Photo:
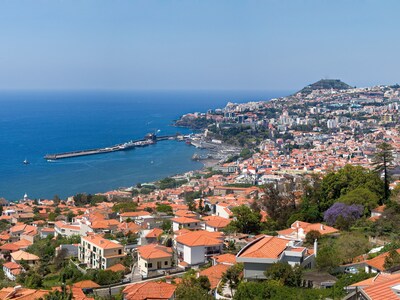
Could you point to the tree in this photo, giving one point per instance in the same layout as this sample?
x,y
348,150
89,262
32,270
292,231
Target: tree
x,y
361,196
193,288
337,184
328,258
392,260
311,236
245,220
233,276
342,215
383,162
166,225
164,208
64,294
351,245
56,199
284,273
279,207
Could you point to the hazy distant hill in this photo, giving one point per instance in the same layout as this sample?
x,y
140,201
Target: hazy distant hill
x,y
325,84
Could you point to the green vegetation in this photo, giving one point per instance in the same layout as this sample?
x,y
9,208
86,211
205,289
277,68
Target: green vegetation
x,y
164,208
272,289
84,199
125,207
193,288
244,220
326,84
383,162
285,274
169,183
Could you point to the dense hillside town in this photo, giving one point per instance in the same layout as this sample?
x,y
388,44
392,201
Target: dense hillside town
x,y
307,208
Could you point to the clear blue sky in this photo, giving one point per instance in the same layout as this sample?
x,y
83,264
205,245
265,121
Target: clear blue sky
x,y
203,44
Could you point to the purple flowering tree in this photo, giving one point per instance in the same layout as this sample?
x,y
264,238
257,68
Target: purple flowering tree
x,y
343,212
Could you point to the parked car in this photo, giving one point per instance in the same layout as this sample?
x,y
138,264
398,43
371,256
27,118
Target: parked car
x,y
351,270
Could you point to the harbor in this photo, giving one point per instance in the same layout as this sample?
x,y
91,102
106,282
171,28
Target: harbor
x,y
148,140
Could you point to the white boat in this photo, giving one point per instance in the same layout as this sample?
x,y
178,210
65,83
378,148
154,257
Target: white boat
x,y
26,162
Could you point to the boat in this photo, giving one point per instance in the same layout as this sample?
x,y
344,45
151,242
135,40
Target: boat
x,y
26,162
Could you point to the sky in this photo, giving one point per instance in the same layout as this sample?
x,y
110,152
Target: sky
x,y
198,44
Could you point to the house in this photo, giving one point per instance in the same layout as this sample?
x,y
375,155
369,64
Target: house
x,y
223,210
215,223
66,229
19,292
153,257
104,226
20,230
151,236
214,274
100,253
195,247
134,215
380,287
149,290
187,223
47,231
27,257
298,230
259,255
12,270
226,259
376,264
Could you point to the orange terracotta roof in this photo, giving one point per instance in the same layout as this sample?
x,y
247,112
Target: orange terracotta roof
x,y
378,261
9,247
12,265
86,284
154,251
22,255
265,247
117,268
200,238
184,220
101,242
22,294
216,221
226,258
149,290
214,274
382,290
134,214
155,233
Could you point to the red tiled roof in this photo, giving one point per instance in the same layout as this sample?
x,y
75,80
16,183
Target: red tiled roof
x,y
266,247
200,238
214,274
154,251
149,290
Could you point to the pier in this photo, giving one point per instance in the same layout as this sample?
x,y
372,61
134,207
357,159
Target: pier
x,y
149,139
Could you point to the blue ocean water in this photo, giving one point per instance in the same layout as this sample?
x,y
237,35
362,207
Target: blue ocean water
x,y
34,123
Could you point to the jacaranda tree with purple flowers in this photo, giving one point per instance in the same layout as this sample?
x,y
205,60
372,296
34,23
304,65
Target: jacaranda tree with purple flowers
x,y
342,215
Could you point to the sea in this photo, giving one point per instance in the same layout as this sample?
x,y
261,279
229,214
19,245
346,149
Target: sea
x,y
36,123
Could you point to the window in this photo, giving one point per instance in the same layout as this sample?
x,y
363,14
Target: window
x,y
166,263
150,265
119,251
145,264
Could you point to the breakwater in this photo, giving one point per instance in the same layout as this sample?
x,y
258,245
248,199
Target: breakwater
x,y
148,140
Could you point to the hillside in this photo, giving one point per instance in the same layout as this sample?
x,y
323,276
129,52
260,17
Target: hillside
x,y
325,84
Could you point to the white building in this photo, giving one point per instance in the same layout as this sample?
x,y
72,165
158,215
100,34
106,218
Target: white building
x,y
195,247
100,253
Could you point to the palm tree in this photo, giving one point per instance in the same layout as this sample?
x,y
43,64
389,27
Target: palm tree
x,y
383,162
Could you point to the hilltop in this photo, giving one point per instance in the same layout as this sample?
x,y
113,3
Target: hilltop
x,y
325,84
